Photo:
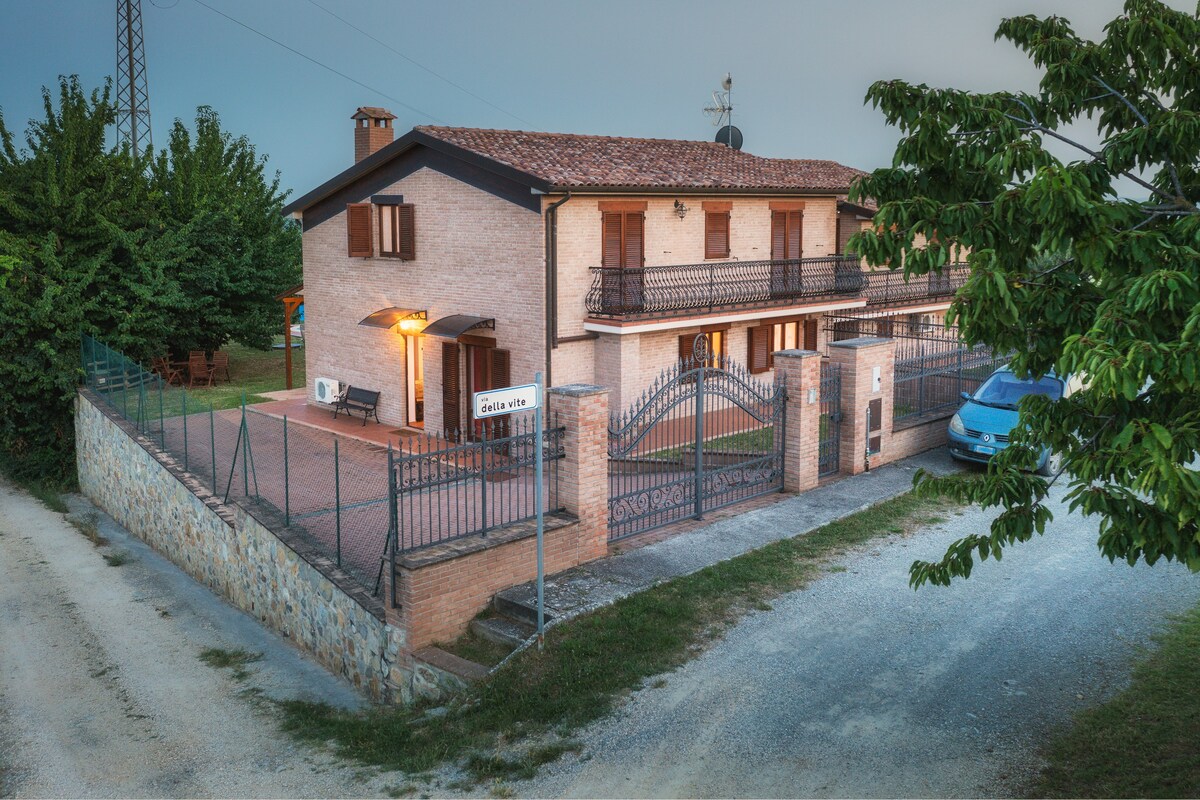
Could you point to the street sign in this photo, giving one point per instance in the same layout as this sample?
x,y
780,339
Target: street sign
x,y
506,401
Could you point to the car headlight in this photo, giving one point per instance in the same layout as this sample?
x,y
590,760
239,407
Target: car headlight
x,y
956,425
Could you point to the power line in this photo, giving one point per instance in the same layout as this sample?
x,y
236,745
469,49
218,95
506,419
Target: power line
x,y
290,49
416,63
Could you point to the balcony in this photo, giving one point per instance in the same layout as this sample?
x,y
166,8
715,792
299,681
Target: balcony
x,y
687,289
888,288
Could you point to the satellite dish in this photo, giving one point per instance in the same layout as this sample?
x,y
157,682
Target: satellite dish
x,y
730,135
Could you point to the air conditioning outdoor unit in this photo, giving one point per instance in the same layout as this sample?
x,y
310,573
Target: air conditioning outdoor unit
x,y
328,390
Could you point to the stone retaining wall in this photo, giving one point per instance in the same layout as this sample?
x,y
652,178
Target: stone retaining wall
x,y
227,549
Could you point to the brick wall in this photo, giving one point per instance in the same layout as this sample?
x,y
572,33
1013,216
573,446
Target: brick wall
x,y
859,359
476,254
442,588
917,438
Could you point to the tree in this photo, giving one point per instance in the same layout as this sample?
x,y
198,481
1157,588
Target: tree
x,y
222,219
1066,274
74,237
176,252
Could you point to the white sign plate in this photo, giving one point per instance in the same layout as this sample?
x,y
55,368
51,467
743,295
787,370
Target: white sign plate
x,y
510,400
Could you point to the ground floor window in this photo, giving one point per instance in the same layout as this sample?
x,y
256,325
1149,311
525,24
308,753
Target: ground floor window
x,y
716,345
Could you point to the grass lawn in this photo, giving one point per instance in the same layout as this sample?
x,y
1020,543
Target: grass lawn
x,y
758,440
1143,742
593,661
252,372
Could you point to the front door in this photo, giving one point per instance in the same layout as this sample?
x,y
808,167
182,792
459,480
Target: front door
x,y
415,380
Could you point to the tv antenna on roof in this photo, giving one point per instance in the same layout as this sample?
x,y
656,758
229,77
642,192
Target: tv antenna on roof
x,y
722,113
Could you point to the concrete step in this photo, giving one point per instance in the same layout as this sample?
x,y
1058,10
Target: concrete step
x,y
516,606
502,630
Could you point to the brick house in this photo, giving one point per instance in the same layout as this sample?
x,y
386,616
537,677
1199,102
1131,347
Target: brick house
x,y
453,260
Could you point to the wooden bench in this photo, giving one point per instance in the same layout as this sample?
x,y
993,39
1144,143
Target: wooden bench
x,y
355,399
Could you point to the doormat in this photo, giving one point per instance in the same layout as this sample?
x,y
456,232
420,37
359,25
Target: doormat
x,y
403,432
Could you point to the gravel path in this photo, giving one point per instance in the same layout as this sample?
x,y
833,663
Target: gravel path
x,y
861,687
102,693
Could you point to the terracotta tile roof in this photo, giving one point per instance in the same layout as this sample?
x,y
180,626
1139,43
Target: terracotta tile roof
x,y
572,160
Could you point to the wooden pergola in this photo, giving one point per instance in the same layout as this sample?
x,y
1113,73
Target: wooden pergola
x,y
292,299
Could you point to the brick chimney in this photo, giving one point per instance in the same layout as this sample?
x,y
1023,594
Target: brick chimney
x,y
372,130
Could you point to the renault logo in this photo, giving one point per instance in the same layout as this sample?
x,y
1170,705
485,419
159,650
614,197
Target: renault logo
x,y
987,437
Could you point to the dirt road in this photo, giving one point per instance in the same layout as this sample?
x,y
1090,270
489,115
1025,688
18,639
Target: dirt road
x,y
861,687
103,693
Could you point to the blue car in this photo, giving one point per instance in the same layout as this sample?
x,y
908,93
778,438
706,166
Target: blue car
x,y
981,427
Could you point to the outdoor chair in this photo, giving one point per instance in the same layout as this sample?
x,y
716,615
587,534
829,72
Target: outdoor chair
x,y
220,363
199,370
166,370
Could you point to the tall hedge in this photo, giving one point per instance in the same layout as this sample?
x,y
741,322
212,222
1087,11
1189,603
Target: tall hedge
x,y
151,254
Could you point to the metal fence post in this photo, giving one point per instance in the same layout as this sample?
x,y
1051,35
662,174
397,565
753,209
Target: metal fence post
x,y
287,501
393,519
212,438
185,441
143,422
162,420
960,371
483,514
124,384
242,434
698,450
337,499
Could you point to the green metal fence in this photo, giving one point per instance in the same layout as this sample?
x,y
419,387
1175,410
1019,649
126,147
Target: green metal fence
x,y
332,491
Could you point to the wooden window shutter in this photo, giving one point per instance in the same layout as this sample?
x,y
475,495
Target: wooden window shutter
x,y
810,334
634,250
716,234
686,343
758,355
451,392
795,238
613,240
778,235
500,363
501,368
358,230
406,231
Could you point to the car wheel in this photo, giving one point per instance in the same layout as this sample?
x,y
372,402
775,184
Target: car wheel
x,y
1052,465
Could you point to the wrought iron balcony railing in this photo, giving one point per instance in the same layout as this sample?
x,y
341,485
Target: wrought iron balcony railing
x,y
888,288
646,292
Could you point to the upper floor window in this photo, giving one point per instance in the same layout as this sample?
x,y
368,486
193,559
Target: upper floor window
x,y
787,231
716,230
397,231
623,234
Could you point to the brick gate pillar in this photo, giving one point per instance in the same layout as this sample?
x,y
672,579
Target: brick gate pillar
x,y
868,370
800,371
583,472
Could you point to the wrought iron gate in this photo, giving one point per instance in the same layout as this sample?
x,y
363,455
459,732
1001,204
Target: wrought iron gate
x,y
706,434
829,446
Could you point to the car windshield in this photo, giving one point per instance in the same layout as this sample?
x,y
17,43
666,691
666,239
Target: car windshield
x,y
1004,389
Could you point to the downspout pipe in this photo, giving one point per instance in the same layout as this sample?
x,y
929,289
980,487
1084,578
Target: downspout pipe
x,y
552,283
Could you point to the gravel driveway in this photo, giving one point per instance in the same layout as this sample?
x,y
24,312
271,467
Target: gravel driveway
x,y
861,687
103,694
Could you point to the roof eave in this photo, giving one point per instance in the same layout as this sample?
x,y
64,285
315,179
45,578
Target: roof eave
x,y
398,148
695,190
